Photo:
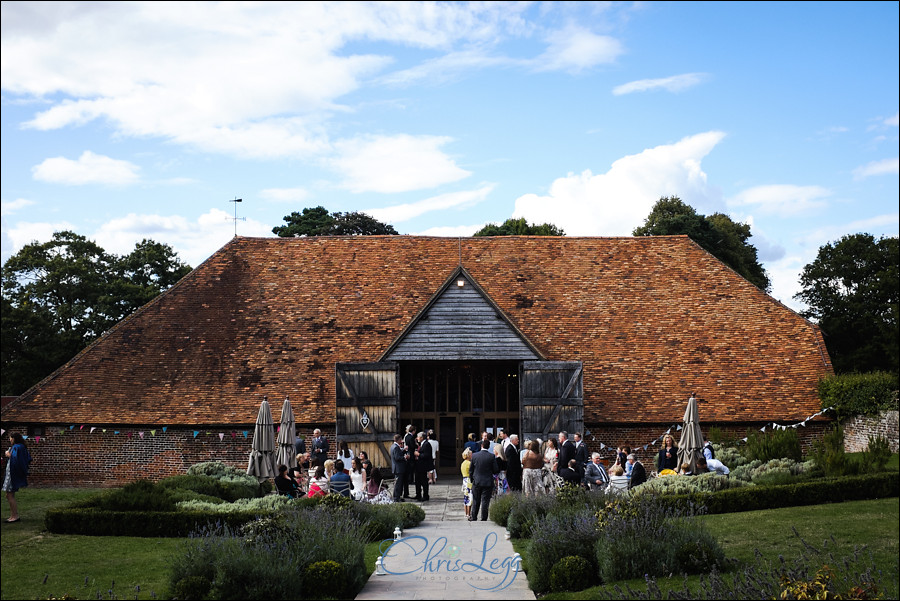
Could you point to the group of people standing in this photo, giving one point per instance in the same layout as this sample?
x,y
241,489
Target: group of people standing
x,y
413,458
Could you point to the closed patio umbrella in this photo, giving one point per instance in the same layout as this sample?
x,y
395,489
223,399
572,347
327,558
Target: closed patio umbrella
x,y
284,452
691,444
262,453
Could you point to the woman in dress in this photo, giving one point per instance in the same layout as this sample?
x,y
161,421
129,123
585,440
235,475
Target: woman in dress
x,y
318,484
344,453
668,455
357,479
501,485
17,461
551,454
467,480
532,466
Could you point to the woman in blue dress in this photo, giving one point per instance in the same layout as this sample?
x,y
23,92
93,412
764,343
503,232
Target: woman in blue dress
x,y
17,463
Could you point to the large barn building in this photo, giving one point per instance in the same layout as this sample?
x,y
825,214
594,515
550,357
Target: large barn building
x,y
366,334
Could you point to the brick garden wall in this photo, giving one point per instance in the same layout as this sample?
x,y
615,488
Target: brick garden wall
x,y
79,457
857,431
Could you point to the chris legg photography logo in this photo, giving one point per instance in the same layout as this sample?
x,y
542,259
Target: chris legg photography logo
x,y
439,560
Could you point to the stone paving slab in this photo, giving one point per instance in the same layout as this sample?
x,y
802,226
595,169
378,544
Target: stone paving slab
x,y
448,557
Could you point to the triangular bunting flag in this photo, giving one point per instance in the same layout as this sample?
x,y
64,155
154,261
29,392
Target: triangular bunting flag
x,y
92,430
196,432
141,434
152,432
221,436
245,434
165,428
679,428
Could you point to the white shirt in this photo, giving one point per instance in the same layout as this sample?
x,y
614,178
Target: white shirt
x,y
714,465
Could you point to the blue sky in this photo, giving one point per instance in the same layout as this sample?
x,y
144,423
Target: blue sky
x,y
124,121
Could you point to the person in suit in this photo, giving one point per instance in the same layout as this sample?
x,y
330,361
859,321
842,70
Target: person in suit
x,y
569,474
319,448
638,473
484,466
566,449
582,456
423,465
513,463
595,475
398,466
409,441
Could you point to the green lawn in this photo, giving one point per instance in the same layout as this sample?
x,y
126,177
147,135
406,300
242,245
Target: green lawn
x,y
37,564
875,524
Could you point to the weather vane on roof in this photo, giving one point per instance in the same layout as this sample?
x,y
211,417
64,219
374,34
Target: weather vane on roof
x,y
236,218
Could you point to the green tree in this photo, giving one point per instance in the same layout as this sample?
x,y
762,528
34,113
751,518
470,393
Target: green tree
x,y
59,296
318,222
519,227
852,289
718,234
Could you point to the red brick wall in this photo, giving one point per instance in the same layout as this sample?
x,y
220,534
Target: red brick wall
x,y
78,457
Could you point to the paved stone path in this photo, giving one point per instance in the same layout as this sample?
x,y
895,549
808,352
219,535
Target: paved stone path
x,y
448,557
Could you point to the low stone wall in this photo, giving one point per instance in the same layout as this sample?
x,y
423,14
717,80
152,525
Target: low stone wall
x,y
857,431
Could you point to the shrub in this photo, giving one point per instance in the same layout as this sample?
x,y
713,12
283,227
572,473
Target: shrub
x,y
859,394
571,573
877,454
326,577
192,587
557,536
140,495
571,495
527,513
676,485
775,444
649,538
502,506
730,456
410,514
262,561
828,454
782,470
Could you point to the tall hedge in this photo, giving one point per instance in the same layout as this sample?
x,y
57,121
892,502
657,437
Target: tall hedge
x,y
859,394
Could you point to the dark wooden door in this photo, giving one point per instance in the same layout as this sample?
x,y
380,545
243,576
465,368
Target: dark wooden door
x,y
368,405
551,397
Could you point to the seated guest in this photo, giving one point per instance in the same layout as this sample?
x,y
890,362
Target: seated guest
x,y
711,465
618,481
318,485
595,475
357,479
285,485
296,474
569,474
374,483
685,470
329,468
366,464
340,482
304,462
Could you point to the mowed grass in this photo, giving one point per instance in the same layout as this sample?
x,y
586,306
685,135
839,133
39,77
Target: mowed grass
x,y
37,564
874,524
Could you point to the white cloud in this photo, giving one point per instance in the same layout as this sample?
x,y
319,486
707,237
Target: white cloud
x,y
575,49
782,199
405,212
882,167
451,231
675,83
391,164
25,233
194,241
8,207
893,121
615,202
90,168
284,194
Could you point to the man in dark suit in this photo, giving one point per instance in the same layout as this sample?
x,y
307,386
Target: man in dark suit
x,y
566,449
319,448
581,454
595,475
638,473
484,466
398,466
513,463
410,442
424,464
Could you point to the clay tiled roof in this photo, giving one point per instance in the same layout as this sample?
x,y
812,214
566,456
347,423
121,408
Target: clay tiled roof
x,y
651,318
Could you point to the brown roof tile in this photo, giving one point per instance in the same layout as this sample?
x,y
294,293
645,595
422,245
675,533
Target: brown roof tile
x,y
652,319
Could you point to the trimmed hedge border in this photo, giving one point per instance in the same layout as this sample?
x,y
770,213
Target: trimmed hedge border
x,y
91,521
811,492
